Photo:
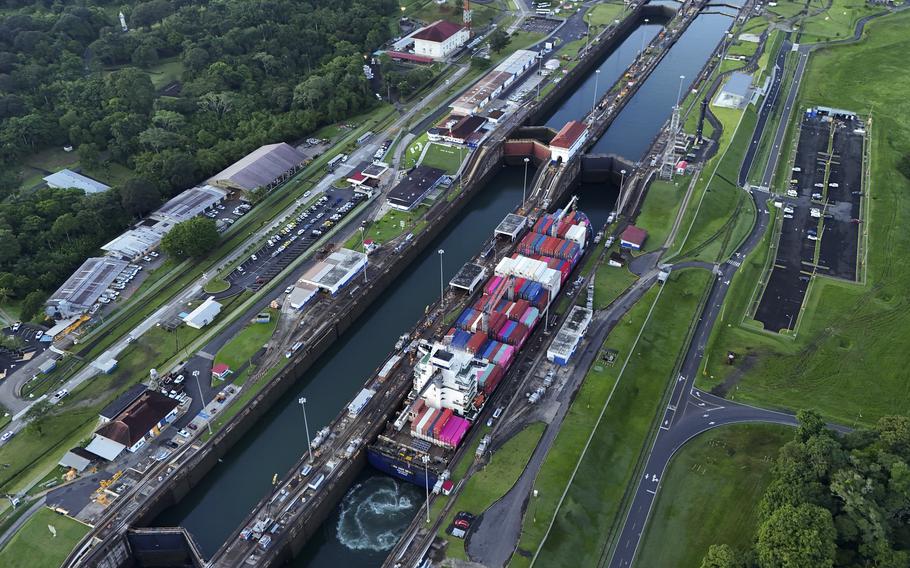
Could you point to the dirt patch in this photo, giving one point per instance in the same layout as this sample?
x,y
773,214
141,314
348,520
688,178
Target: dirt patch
x,y
747,363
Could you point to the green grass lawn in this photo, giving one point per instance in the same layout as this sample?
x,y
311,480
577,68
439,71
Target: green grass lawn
x,y
36,546
843,362
216,285
584,524
609,283
493,481
412,153
746,48
444,157
394,223
837,22
659,209
238,351
710,494
604,14
787,8
429,11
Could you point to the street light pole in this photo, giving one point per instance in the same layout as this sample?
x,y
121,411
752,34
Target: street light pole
x,y
364,246
208,421
426,479
309,445
441,286
622,182
679,91
524,189
596,78
640,51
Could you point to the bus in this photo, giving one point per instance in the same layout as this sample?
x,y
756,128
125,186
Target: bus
x,y
335,162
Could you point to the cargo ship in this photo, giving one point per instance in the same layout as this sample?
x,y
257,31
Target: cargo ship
x,y
454,375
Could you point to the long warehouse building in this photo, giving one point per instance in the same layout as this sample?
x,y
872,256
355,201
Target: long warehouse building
x,y
84,287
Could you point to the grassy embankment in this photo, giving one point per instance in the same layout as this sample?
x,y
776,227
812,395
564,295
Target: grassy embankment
x,y
238,352
629,395
710,493
659,210
493,481
836,22
35,545
843,361
719,214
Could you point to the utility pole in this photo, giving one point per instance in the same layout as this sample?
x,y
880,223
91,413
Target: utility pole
x,y
441,285
596,78
208,420
426,479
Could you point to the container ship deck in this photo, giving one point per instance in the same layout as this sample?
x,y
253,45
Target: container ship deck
x,y
456,374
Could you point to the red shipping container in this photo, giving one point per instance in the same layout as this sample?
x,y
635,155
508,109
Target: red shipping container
x,y
418,407
437,428
493,380
476,342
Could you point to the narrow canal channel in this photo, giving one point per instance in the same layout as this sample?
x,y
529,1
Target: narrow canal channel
x,y
377,508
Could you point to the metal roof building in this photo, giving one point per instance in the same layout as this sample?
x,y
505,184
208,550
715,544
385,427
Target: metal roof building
x,y
511,226
266,166
736,92
189,204
68,178
410,191
137,242
80,290
336,270
204,313
570,334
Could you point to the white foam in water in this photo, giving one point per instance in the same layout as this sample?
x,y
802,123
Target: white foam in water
x,y
374,514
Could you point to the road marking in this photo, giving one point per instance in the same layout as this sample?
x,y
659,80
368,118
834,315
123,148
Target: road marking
x,y
651,491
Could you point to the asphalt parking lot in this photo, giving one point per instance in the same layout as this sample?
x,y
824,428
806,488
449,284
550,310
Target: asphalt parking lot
x,y
10,359
292,240
820,229
540,25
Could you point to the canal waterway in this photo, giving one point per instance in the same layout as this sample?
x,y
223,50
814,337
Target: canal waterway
x,y
377,509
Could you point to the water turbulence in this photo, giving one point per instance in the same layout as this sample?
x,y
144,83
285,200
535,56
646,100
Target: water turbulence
x,y
375,512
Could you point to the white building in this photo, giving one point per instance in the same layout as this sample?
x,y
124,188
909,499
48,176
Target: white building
x,y
204,314
447,379
439,39
568,141
335,271
68,178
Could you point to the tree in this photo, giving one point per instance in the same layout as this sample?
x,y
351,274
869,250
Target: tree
x,y
192,238
499,40
89,155
720,556
795,537
145,55
31,305
5,295
139,196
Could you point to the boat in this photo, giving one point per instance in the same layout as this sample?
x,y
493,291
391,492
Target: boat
x,y
456,374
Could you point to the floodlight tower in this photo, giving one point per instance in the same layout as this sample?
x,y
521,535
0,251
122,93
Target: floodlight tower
x,y
466,14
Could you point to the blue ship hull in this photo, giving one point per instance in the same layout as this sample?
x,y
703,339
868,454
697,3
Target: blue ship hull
x,y
406,471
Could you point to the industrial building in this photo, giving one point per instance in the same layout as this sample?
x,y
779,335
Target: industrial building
x,y
410,191
67,178
188,204
469,277
267,166
336,270
736,93
301,295
141,420
147,235
566,341
440,39
568,141
494,82
633,238
511,226
84,287
204,314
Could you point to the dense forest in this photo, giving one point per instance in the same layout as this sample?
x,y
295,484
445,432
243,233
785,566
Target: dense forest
x,y
833,501
252,73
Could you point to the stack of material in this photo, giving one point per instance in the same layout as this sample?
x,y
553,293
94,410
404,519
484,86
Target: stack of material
x,y
453,432
513,333
460,338
488,378
476,342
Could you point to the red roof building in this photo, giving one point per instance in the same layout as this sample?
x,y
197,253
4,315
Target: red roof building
x,y
220,370
633,237
438,31
404,56
357,178
568,140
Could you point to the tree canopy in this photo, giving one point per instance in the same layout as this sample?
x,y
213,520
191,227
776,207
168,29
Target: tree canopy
x,y
195,238
834,500
248,74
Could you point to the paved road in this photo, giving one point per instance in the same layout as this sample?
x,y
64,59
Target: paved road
x,y
691,411
14,528
496,535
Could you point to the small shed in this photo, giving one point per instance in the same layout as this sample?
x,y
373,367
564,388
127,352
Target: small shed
x,y
633,238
